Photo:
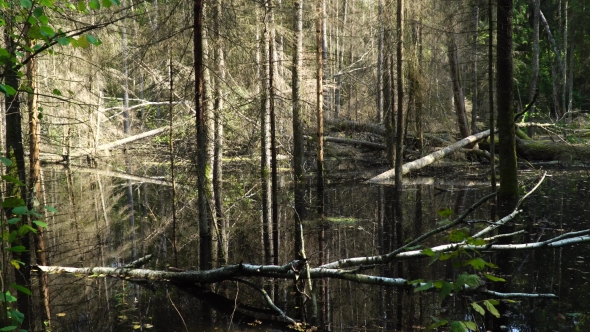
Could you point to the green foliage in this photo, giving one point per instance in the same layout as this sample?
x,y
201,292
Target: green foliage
x,y
461,259
13,230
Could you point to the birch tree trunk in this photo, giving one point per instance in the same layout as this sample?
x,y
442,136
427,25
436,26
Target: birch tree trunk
x,y
265,153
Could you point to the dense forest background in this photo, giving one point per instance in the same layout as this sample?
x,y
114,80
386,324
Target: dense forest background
x,y
193,119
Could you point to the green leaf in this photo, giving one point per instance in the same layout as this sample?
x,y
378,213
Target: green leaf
x,y
13,221
457,326
116,2
20,288
40,223
12,236
19,316
424,287
47,31
63,41
477,263
94,4
17,249
93,40
7,89
24,229
8,298
470,325
12,179
50,209
478,308
494,278
491,308
428,252
437,323
83,42
476,242
82,6
12,202
26,4
446,289
8,328
20,210
106,3
444,213
43,19
7,162
38,11
56,92
458,235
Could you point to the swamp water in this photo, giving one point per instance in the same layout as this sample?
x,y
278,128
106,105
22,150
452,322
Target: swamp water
x,y
96,227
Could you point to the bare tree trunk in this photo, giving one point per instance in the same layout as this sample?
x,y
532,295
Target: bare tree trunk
x,y
380,63
34,197
171,151
205,259
320,103
218,159
474,99
265,154
340,60
458,89
535,62
399,146
491,92
298,157
209,133
508,192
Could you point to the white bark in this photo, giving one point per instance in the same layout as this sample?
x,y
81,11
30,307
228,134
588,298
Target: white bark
x,y
431,158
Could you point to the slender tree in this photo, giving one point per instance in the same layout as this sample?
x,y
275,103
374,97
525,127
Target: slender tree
x,y
508,192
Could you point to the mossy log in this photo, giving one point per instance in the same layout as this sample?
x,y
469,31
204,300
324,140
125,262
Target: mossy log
x,y
544,150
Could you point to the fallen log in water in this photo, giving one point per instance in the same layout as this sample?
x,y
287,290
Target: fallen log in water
x,y
429,159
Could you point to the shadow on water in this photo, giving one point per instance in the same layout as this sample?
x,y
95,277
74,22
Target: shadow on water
x,y
360,220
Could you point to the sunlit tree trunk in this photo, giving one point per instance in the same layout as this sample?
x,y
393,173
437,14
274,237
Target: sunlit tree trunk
x,y
298,148
265,155
458,96
34,197
205,259
218,145
340,60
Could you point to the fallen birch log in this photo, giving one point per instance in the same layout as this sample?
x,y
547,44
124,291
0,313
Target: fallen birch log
x,y
431,158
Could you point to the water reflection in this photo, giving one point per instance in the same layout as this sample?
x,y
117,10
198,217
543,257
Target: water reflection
x,y
93,229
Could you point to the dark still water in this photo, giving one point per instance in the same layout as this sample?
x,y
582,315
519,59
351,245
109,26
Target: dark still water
x,y
107,220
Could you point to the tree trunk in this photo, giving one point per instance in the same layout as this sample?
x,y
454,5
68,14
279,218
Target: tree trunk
x,y
298,149
458,89
429,159
35,197
320,103
535,63
508,192
399,144
223,223
15,152
205,259
380,63
474,98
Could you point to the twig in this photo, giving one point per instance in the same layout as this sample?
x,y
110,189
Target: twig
x,y
522,231
179,314
267,298
139,262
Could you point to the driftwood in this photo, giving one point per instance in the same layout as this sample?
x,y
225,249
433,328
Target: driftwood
x,y
429,159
